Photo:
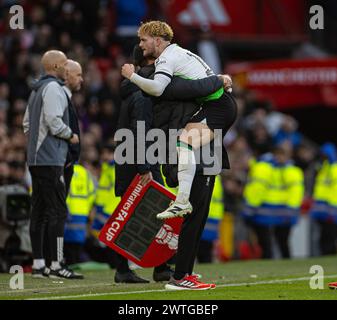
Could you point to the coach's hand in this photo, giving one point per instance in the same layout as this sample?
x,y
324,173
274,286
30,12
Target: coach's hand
x,y
75,139
145,178
127,70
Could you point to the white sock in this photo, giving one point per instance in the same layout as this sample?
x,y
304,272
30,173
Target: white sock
x,y
186,171
55,265
38,263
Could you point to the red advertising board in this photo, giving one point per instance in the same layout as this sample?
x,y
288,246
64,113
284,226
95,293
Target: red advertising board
x,y
242,17
133,229
290,83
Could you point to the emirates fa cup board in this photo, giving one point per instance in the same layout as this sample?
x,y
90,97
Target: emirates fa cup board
x,y
133,229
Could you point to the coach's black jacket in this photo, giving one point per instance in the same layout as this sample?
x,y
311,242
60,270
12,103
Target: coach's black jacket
x,y
135,107
74,150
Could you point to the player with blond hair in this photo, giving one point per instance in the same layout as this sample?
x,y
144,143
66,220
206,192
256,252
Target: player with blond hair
x,y
218,111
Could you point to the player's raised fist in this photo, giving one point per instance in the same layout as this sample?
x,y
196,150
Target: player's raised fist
x,y
127,70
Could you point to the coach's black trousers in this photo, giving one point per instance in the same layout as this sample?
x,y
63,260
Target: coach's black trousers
x,y
193,225
48,210
264,236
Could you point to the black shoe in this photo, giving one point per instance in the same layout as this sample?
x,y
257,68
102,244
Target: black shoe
x,y
65,273
129,277
164,275
40,273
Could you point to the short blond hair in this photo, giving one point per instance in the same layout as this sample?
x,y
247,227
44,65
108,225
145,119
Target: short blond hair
x,y
156,29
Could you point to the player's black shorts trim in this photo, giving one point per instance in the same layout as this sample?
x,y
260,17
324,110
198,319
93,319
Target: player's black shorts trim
x,y
218,114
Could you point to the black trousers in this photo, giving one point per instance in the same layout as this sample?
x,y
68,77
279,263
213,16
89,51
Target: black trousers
x,y
328,237
264,236
193,225
68,174
72,252
48,211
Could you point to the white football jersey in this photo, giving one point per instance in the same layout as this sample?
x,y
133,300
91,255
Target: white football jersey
x,y
176,61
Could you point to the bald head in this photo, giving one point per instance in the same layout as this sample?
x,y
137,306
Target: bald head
x,y
53,62
73,76
73,66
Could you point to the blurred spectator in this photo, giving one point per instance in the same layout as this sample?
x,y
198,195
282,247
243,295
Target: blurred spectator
x,y
324,210
97,133
4,95
259,139
256,115
262,112
79,203
92,114
16,172
230,233
100,45
273,196
105,204
240,154
233,184
4,173
288,132
305,158
110,88
3,66
109,118
93,77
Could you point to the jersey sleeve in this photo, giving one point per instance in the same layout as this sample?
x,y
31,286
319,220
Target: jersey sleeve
x,y
165,66
164,69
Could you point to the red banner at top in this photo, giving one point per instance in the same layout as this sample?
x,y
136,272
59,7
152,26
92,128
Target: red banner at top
x,y
242,17
290,83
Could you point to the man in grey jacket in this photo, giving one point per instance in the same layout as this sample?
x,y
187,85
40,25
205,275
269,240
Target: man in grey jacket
x,y
46,123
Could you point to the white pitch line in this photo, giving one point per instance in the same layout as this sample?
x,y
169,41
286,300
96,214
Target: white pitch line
x,y
53,287
163,290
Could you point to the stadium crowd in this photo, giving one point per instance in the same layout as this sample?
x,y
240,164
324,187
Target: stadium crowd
x,y
100,35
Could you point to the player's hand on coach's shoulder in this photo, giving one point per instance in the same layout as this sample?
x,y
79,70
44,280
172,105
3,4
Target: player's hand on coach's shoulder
x,y
127,70
227,81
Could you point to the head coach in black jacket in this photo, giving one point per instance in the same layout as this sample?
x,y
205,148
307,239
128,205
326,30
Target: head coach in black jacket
x,y
137,106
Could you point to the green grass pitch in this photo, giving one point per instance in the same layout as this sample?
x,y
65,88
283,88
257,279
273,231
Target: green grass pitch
x,y
237,280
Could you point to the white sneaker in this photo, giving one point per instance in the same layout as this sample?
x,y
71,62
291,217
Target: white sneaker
x,y
175,210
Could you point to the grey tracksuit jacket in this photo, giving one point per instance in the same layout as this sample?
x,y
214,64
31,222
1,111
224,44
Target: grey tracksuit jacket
x,y
46,122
